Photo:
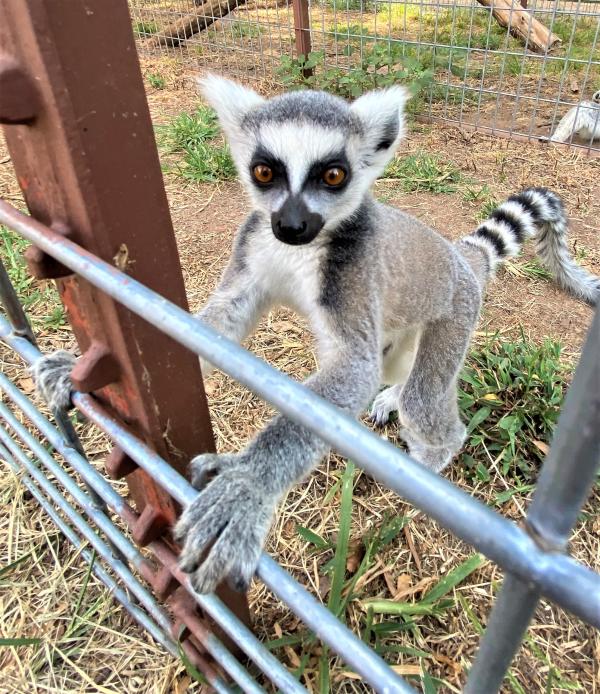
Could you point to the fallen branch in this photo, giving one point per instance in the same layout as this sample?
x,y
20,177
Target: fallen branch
x,y
522,24
185,27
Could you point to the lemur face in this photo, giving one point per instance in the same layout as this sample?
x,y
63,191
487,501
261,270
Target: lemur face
x,y
307,158
596,97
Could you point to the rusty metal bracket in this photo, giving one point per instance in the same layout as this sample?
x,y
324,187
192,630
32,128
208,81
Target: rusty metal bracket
x,y
95,369
43,266
118,464
150,525
19,100
110,198
164,583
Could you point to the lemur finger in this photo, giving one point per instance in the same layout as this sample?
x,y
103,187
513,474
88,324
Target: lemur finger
x,y
198,539
204,507
203,467
217,565
52,377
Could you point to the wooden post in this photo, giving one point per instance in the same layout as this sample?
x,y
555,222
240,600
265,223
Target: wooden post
x,y
302,30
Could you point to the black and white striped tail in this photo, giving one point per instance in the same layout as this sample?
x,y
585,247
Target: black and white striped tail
x,y
537,213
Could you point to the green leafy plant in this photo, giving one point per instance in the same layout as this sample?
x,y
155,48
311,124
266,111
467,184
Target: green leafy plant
x,y
145,28
203,154
380,66
39,298
511,392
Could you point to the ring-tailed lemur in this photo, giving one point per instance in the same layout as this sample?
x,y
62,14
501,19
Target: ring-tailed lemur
x,y
582,120
389,300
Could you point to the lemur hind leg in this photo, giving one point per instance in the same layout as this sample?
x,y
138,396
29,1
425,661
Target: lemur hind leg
x,y
431,426
398,359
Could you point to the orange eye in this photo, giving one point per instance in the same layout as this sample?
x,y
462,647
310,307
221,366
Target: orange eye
x,y
334,177
263,173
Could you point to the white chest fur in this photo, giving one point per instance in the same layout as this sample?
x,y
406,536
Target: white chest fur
x,y
291,275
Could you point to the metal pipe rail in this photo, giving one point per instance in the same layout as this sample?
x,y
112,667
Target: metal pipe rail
x,y
313,613
543,569
115,536
558,577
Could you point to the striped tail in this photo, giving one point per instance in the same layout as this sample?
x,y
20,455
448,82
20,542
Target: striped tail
x,y
537,213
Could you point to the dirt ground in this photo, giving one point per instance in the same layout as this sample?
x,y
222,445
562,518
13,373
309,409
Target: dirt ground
x,y
108,653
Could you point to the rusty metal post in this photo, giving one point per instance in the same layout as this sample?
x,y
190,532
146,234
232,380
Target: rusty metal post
x,y
302,30
80,136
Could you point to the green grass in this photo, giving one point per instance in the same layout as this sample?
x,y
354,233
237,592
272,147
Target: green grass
x,y
247,30
201,155
145,28
510,394
461,35
483,198
156,80
530,269
343,561
424,172
38,297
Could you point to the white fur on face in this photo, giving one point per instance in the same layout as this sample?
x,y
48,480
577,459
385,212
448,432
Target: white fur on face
x,y
299,146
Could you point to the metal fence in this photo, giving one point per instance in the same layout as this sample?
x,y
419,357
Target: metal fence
x,y
485,77
55,86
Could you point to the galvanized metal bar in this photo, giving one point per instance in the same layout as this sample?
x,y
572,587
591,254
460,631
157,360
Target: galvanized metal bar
x,y
222,615
104,551
467,518
563,486
138,614
351,648
21,326
570,469
121,569
12,306
510,617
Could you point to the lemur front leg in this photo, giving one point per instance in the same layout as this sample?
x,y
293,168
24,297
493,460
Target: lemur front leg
x,y
234,308
234,509
432,428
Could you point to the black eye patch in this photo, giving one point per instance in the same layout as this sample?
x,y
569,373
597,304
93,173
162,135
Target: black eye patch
x,y
262,157
314,178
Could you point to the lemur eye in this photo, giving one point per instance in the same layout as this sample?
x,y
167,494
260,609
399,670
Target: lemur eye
x,y
334,176
263,173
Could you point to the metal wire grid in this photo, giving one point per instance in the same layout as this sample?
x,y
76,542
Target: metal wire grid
x,y
483,77
534,557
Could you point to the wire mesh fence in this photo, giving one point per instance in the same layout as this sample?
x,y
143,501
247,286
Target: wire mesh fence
x,y
504,69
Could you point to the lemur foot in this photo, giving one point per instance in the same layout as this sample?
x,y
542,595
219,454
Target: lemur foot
x,y
435,458
52,377
232,514
384,404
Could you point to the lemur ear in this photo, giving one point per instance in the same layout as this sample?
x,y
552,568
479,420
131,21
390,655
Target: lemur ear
x,y
230,100
382,113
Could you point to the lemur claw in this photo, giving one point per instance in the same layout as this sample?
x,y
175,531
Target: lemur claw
x,y
225,526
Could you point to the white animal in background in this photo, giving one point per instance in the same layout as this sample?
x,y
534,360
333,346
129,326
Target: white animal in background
x,y
582,120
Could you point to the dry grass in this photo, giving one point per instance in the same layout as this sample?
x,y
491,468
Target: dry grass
x,y
110,654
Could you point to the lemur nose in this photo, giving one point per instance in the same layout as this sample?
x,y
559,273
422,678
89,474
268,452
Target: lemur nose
x,y
294,223
291,229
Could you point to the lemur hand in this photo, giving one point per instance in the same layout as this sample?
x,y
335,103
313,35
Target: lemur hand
x,y
52,377
233,512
